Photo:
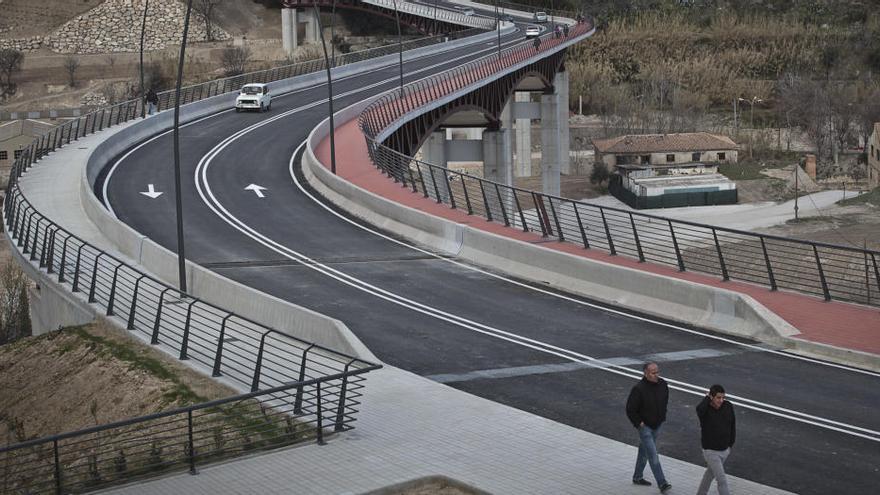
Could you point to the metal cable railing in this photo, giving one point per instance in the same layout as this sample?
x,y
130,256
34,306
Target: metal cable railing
x,y
440,14
829,271
183,438
232,346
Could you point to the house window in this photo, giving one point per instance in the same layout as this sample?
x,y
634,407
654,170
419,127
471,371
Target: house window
x,y
722,157
646,159
4,155
695,157
670,158
17,154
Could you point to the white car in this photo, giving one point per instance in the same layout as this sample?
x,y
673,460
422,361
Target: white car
x,y
465,10
253,96
540,17
533,31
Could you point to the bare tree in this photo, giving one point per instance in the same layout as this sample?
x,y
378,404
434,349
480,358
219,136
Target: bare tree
x,y
206,9
15,320
71,65
10,63
234,60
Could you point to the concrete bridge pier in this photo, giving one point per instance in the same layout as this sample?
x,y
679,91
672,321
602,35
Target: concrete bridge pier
x,y
498,167
434,152
554,128
523,155
290,21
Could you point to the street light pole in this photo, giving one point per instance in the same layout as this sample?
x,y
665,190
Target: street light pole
x,y
329,91
399,45
181,257
143,32
498,27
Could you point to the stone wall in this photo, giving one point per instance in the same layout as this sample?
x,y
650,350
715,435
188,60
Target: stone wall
x,y
114,26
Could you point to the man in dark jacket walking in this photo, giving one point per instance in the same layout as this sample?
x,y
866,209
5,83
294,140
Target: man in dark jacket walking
x,y
717,435
646,410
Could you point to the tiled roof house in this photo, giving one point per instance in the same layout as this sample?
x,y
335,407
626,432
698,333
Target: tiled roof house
x,y
665,149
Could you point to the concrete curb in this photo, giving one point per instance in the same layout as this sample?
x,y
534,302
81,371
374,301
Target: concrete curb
x,y
716,309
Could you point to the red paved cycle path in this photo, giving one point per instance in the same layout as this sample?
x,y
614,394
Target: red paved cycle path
x,y
840,324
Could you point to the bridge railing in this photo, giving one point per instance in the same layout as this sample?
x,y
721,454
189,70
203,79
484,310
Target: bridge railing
x,y
829,271
380,115
432,12
181,439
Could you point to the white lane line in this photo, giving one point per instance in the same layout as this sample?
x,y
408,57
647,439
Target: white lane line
x,y
106,185
210,200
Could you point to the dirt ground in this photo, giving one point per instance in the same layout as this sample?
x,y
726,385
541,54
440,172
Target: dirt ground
x,y
66,381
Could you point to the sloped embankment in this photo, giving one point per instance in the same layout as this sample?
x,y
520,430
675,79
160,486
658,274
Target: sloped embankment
x,y
93,374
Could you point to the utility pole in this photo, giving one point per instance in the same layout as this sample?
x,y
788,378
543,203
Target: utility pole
x,y
797,167
143,32
178,198
329,90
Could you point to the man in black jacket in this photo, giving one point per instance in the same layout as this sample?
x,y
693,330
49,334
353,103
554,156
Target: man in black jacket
x,y
646,410
717,434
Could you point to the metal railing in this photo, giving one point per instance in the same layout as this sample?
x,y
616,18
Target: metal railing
x,y
183,438
828,271
380,115
440,14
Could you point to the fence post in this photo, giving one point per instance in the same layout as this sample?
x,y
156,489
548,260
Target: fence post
x,y
675,245
63,259
821,274
50,261
155,337
767,262
75,286
340,409
219,356
485,201
59,489
422,179
434,181
559,232
94,277
113,290
190,443
184,344
467,197
876,272
255,384
501,203
577,215
724,274
449,189
134,298
320,418
607,232
297,403
632,222
522,216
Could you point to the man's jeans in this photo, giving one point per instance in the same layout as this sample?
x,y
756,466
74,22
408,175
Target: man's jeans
x,y
648,454
714,469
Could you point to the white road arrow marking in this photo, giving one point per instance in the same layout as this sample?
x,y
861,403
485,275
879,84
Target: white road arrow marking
x,y
151,192
257,189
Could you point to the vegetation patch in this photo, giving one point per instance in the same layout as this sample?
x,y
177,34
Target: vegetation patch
x,y
871,198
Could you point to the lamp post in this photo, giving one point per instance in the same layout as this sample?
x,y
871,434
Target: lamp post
x,y
181,257
143,32
498,26
399,45
751,103
329,91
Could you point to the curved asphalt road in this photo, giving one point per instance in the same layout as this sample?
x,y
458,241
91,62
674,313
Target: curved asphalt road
x,y
512,342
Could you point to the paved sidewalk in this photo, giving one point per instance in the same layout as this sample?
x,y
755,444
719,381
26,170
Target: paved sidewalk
x,y
411,427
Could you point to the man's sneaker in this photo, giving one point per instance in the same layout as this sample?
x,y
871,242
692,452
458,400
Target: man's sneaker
x,y
642,482
665,487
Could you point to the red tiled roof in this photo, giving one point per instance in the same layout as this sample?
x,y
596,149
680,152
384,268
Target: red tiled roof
x,y
661,143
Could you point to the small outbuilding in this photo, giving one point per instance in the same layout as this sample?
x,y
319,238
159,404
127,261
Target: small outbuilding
x,y
669,170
